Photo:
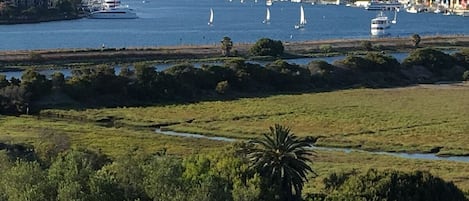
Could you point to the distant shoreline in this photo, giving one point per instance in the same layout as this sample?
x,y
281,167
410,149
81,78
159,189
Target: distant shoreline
x,y
33,21
300,49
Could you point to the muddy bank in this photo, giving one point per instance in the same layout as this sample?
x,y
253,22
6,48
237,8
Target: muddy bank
x,y
292,49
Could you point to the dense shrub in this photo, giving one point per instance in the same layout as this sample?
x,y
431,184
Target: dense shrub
x,y
465,75
434,60
389,185
382,63
285,76
100,86
462,57
356,63
267,47
222,87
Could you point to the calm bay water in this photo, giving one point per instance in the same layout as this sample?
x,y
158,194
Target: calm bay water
x,y
176,22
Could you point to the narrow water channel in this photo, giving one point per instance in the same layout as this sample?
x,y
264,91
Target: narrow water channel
x,y
424,156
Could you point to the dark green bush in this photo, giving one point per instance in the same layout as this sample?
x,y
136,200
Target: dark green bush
x,y
267,47
390,185
433,60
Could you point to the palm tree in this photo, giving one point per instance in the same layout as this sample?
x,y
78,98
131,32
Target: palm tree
x,y
282,160
416,40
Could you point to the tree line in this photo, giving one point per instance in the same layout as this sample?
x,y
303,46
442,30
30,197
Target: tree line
x,y
38,10
141,84
272,168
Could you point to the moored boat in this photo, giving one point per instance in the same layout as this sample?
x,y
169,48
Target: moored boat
x,y
302,22
381,23
384,5
114,13
111,9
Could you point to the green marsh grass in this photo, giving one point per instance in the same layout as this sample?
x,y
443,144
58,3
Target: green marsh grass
x,y
109,140
428,118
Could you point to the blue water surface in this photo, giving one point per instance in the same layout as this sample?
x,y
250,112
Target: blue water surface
x,y
184,22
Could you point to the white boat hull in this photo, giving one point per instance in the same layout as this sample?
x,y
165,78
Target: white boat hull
x,y
379,32
380,25
113,14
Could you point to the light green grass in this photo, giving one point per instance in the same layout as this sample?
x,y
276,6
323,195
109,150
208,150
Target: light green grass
x,y
110,141
405,119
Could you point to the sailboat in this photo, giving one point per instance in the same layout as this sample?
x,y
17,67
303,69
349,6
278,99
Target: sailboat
x,y
268,2
394,21
210,20
267,17
302,19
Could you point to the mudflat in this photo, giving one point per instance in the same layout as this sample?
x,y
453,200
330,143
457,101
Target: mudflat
x,y
299,49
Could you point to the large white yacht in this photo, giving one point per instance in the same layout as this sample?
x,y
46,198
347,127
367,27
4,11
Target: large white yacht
x,y
111,9
381,23
384,5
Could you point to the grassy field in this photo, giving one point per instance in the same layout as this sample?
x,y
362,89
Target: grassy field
x,y
426,118
109,140
418,118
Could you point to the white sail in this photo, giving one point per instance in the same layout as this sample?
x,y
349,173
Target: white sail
x,y
267,16
210,21
302,16
302,19
394,21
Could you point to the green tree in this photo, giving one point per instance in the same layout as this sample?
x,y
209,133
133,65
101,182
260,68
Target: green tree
x,y
267,47
129,174
3,81
25,181
58,80
36,84
226,46
390,185
104,187
71,172
282,160
163,179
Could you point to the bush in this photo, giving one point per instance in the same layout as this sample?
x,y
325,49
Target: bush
x,y
465,75
320,67
326,48
367,45
222,87
267,47
355,63
433,60
390,185
382,62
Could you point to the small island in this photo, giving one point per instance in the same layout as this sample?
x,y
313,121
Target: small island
x,y
34,11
